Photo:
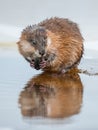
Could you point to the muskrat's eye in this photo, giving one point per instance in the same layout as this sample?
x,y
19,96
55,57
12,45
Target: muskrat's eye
x,y
32,41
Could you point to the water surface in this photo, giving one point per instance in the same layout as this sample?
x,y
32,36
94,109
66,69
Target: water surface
x,y
30,99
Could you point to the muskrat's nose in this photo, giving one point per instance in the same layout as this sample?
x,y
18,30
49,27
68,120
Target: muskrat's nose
x,y
42,52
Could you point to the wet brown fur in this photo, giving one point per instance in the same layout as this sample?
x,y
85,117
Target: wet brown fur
x,y
67,43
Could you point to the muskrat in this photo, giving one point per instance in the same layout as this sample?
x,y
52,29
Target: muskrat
x,y
54,44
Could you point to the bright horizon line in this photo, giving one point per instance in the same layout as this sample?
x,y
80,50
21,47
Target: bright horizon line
x,y
10,30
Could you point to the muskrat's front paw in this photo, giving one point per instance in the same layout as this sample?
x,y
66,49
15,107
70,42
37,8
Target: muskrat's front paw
x,y
32,63
43,64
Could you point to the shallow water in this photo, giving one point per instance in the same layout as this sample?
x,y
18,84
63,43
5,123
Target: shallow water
x,y
48,101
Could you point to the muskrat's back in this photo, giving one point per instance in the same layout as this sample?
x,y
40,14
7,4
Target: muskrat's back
x,y
63,27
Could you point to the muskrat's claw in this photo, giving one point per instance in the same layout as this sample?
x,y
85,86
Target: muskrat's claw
x,y
43,64
32,64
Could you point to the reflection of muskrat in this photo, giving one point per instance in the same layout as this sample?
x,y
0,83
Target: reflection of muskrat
x,y
56,42
52,96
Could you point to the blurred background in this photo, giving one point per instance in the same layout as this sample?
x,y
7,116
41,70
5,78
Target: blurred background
x,y
17,14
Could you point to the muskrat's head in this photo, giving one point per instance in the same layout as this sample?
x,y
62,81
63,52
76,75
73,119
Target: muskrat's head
x,y
33,43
